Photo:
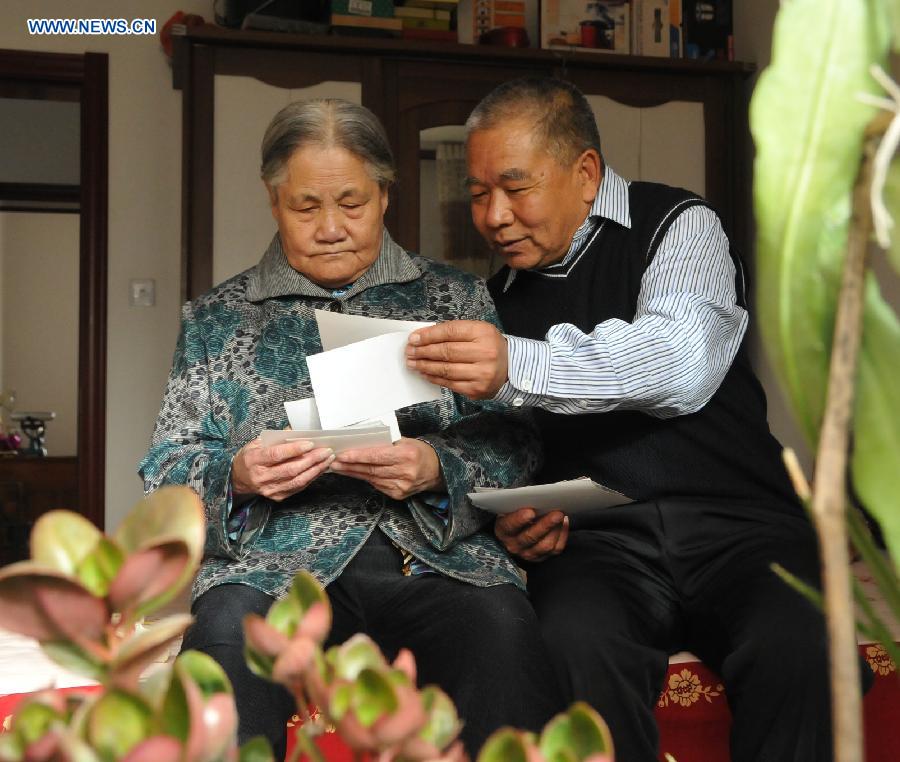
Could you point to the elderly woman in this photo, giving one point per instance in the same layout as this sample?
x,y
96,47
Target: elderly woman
x,y
389,531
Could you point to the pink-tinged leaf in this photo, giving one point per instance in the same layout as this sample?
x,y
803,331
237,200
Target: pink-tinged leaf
x,y
146,575
406,663
140,650
45,749
77,614
220,721
155,749
25,591
170,514
262,637
294,662
316,623
354,733
404,722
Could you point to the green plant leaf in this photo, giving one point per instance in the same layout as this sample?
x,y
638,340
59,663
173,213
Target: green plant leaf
x,y
61,540
256,750
892,202
33,720
75,660
353,656
442,724
505,745
808,126
580,731
117,723
205,672
286,613
99,567
11,747
373,696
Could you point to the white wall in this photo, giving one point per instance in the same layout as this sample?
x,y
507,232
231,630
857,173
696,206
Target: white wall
x,y
145,219
144,214
39,317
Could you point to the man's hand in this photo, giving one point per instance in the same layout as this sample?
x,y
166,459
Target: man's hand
x,y
279,471
531,537
405,468
467,356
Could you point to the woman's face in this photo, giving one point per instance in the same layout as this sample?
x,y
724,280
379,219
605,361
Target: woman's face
x,y
330,215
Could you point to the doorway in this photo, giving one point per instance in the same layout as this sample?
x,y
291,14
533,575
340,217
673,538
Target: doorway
x,y
83,80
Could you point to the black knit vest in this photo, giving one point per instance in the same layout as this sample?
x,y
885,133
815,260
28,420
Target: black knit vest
x,y
723,451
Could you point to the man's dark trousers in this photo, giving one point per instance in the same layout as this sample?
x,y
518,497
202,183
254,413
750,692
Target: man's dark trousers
x,y
639,582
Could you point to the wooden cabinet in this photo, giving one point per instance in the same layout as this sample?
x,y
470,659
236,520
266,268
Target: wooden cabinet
x,y
30,487
413,86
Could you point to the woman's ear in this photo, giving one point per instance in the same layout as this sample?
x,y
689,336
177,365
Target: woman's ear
x,y
272,190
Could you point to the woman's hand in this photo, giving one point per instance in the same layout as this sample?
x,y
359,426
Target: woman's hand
x,y
531,537
399,470
279,471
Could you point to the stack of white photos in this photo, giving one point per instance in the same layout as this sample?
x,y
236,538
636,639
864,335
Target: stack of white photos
x,y
360,374
570,496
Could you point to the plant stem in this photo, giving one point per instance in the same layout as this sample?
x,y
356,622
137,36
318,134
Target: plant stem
x,y
829,484
306,745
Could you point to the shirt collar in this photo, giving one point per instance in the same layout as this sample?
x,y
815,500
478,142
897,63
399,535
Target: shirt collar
x,y
274,276
610,203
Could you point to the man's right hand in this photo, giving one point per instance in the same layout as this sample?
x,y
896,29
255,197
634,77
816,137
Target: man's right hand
x,y
531,537
279,471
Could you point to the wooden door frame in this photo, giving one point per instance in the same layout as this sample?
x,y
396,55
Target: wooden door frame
x,y
58,76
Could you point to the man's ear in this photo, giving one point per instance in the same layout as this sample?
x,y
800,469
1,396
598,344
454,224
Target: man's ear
x,y
384,199
589,167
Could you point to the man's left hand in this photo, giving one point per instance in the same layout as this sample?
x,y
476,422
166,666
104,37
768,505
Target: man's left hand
x,y
466,356
405,468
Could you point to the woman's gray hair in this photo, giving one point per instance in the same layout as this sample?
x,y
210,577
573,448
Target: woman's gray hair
x,y
563,120
326,122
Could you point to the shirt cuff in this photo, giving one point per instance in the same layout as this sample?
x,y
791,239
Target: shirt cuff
x,y
528,371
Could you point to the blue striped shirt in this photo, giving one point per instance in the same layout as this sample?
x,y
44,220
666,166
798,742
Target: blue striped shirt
x,y
674,354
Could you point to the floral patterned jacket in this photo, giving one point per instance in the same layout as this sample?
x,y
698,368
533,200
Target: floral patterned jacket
x,y
241,354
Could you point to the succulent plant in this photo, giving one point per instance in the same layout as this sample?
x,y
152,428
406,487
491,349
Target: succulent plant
x,y
82,594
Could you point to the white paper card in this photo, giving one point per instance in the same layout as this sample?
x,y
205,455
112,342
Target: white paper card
x,y
354,382
340,440
338,330
303,415
571,496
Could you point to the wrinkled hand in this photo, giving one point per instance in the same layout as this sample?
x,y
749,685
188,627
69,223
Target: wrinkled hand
x,y
399,470
279,471
531,537
467,356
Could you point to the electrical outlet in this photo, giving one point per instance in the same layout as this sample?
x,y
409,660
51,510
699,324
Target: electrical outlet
x,y
142,292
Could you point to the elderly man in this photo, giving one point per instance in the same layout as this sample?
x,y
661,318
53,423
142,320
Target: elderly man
x,y
388,530
628,311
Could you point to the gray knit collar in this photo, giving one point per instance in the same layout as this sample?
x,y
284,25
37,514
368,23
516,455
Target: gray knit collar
x,y
274,276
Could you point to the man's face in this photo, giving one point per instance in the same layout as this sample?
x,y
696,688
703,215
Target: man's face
x,y
330,215
524,203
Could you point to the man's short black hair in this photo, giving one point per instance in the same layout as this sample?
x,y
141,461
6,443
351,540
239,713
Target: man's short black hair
x,y
563,119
